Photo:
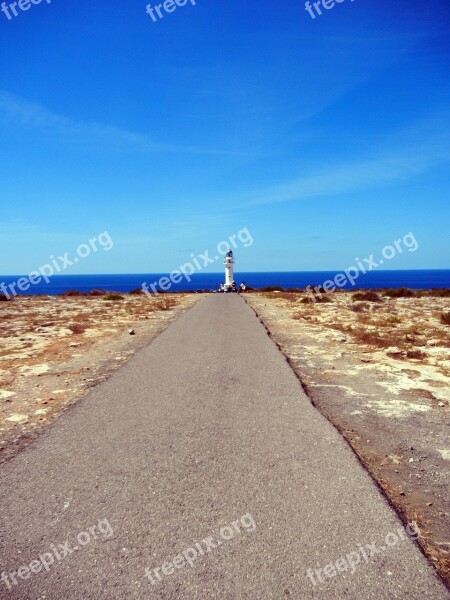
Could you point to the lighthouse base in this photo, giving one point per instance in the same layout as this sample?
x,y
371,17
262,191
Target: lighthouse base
x,y
228,289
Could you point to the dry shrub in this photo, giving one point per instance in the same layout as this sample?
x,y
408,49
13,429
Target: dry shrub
x,y
360,308
373,338
317,299
169,303
388,321
289,296
364,319
445,318
81,317
76,328
416,354
434,293
164,304
369,296
71,293
400,293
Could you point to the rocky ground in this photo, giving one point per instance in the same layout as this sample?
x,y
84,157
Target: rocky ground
x,y
53,349
378,367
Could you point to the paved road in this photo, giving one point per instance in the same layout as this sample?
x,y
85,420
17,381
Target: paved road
x,y
205,433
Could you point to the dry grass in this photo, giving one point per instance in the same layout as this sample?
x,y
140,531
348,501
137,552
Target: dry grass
x,y
405,320
47,325
374,338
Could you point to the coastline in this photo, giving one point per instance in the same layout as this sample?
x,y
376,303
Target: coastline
x,y
209,281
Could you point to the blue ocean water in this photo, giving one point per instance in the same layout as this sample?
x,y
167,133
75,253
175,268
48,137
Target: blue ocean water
x,y
423,279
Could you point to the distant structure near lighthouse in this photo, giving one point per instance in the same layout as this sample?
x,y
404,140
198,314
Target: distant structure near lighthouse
x,y
229,272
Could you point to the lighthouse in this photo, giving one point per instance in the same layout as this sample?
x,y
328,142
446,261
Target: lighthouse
x,y
229,271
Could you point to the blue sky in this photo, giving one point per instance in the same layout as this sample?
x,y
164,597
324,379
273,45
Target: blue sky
x,y
326,138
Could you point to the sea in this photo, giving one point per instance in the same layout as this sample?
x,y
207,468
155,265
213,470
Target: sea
x,y
420,279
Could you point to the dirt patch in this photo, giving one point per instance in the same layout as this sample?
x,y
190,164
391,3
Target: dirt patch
x,y
379,369
53,350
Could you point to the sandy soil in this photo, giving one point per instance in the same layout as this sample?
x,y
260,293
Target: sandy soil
x,y
54,349
380,372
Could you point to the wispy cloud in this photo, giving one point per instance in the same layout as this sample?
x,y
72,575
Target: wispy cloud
x,y
30,114
392,166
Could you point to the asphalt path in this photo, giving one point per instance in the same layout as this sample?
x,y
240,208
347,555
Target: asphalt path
x,y
201,470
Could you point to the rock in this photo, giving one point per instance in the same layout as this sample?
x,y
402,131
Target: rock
x,y
441,404
17,418
132,332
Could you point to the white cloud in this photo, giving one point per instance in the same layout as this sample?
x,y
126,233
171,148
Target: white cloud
x,y
31,114
401,164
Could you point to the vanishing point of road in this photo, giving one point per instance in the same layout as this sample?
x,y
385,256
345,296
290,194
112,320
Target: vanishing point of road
x,y
205,434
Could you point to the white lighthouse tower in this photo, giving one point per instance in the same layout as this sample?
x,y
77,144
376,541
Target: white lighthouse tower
x,y
229,271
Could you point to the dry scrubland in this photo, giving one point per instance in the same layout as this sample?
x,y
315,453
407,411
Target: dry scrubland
x,y
377,365
54,348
